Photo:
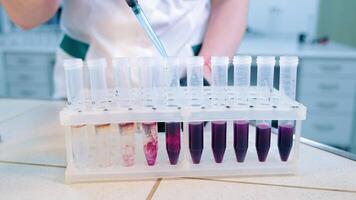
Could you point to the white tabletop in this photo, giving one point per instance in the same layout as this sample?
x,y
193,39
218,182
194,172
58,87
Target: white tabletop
x,y
32,165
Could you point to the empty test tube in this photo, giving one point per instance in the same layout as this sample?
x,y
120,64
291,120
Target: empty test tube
x,y
287,87
173,141
122,72
127,143
196,140
73,69
98,85
195,79
150,142
265,75
242,78
218,140
151,81
219,67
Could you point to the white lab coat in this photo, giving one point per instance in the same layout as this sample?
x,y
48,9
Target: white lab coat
x,y
111,29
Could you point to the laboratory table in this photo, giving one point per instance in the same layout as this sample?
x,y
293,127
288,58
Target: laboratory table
x,y
32,166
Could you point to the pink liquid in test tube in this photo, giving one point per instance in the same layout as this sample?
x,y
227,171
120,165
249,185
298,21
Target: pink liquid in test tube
x,y
285,140
241,129
263,141
218,140
196,140
150,142
173,141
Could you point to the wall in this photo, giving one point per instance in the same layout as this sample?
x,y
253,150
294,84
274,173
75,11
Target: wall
x,y
337,20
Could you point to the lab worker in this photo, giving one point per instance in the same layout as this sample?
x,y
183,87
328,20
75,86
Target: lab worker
x,y
108,28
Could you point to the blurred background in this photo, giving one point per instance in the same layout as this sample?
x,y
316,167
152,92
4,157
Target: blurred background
x,y
321,32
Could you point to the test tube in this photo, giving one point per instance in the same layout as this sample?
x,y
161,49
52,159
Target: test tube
x,y
151,81
218,140
103,133
98,85
73,69
195,80
173,141
122,72
127,143
76,101
219,67
150,142
80,146
265,73
242,78
196,140
287,87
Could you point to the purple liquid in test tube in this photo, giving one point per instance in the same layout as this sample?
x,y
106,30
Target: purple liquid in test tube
x,y
263,141
173,141
241,129
150,142
196,140
285,140
218,144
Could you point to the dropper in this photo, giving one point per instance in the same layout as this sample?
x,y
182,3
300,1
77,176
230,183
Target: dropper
x,y
145,24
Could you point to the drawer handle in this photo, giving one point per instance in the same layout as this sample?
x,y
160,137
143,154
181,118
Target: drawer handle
x,y
324,127
26,93
324,86
327,105
330,68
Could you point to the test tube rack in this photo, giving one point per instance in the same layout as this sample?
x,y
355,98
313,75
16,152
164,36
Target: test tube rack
x,y
113,114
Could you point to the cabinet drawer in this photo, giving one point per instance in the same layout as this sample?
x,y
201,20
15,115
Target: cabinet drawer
x,y
26,60
31,77
317,86
30,91
328,68
333,130
326,104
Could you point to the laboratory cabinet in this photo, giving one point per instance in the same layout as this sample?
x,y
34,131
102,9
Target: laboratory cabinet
x,y
327,86
27,74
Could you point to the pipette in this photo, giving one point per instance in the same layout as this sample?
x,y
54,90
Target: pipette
x,y
145,24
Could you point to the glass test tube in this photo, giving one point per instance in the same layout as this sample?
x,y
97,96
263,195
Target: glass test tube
x,y
242,79
219,67
196,140
150,142
195,80
265,75
76,101
99,97
122,72
287,87
151,81
98,85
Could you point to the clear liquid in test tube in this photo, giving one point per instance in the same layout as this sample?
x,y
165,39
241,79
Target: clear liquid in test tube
x,y
174,68
195,80
123,86
287,87
98,85
151,81
73,69
265,75
219,67
242,78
